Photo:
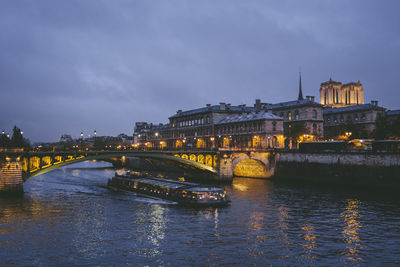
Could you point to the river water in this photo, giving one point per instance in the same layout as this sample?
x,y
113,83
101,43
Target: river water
x,y
67,217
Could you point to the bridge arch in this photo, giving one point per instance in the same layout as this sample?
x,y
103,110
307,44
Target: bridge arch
x,y
184,162
251,168
254,165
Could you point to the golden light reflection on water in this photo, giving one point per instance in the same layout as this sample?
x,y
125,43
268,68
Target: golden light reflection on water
x,y
256,220
239,187
283,231
351,229
310,240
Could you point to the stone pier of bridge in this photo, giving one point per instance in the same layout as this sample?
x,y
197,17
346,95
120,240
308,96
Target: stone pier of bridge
x,y
11,180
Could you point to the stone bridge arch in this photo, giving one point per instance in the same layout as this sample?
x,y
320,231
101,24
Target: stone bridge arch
x,y
253,164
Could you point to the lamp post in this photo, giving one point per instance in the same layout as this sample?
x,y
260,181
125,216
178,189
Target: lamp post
x,y
81,140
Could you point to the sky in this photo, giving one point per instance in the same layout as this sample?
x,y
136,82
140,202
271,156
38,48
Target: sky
x,y
72,66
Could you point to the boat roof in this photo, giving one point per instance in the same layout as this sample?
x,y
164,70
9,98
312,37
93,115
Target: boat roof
x,y
176,184
205,189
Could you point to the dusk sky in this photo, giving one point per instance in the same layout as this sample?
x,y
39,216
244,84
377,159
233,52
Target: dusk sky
x,y
80,65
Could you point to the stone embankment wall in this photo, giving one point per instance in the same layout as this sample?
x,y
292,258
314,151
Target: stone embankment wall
x,y
341,168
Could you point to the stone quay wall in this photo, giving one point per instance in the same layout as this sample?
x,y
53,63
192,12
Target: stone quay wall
x,y
357,168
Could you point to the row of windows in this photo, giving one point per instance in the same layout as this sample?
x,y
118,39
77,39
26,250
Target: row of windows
x,y
191,122
243,127
348,118
200,132
289,115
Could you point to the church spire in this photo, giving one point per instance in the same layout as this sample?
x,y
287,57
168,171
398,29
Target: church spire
x,y
300,89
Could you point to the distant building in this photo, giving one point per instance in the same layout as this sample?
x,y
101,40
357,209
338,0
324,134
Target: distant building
x,y
212,127
334,94
359,121
393,115
305,114
196,128
302,118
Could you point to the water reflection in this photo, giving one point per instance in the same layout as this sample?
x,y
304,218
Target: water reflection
x,y
150,224
351,229
157,228
309,240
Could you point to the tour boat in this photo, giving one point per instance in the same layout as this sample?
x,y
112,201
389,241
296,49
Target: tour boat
x,y
185,193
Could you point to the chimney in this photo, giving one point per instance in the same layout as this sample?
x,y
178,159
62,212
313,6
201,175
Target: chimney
x,y
257,105
222,106
312,98
243,107
179,111
308,98
374,103
228,106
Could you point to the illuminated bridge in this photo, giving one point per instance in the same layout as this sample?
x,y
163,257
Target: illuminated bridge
x,y
18,166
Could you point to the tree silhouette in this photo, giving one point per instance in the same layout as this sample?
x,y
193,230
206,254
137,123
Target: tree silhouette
x,y
5,142
17,140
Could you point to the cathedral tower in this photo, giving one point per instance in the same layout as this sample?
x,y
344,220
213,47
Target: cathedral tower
x,y
334,94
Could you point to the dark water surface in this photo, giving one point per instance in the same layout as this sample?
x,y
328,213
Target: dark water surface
x,y
66,217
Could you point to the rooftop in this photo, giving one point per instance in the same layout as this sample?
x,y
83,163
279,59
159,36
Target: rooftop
x,y
222,107
294,103
250,117
393,112
351,108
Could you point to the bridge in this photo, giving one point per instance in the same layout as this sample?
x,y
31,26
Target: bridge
x,y
17,166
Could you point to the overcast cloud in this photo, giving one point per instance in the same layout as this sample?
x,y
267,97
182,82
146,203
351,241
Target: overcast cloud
x,y
80,65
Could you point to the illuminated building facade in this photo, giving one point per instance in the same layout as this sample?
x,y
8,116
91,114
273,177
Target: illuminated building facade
x,y
336,94
212,127
254,130
196,128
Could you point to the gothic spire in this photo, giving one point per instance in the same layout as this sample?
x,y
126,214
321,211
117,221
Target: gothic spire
x,y
300,90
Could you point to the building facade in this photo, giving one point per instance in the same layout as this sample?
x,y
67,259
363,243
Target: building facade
x,y
254,130
302,120
213,127
357,121
336,94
